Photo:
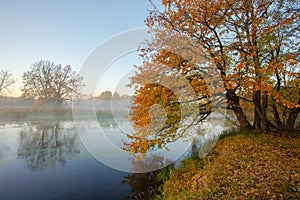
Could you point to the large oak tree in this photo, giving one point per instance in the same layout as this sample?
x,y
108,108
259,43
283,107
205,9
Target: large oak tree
x,y
254,44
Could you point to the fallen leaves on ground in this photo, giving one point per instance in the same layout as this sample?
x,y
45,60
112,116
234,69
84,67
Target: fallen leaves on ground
x,y
247,166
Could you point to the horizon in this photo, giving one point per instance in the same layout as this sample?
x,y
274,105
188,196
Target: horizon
x,y
64,32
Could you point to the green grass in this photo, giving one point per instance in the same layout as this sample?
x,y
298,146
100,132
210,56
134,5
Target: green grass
x,y
50,114
29,114
242,165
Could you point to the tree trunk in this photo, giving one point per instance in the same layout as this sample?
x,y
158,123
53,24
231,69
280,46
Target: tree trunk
x,y
275,111
290,124
264,120
276,117
257,110
234,104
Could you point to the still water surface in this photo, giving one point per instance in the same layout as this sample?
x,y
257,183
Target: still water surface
x,y
48,161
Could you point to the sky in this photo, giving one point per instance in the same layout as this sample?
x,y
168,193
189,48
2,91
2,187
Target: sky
x,y
63,31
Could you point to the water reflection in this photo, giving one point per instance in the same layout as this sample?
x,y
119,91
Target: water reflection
x,y
47,145
3,151
145,185
142,185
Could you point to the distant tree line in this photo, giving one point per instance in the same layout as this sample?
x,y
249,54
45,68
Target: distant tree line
x,y
108,95
46,82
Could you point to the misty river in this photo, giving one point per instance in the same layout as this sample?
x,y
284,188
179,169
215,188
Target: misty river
x,y
47,161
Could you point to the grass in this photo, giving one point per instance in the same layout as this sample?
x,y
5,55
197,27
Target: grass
x,y
242,165
51,114
30,114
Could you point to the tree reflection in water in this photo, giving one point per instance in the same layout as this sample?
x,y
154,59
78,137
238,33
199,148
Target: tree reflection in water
x,y
47,146
145,185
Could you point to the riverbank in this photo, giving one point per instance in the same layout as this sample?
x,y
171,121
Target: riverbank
x,y
241,166
25,114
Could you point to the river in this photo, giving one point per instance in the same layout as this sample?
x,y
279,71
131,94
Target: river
x,y
40,160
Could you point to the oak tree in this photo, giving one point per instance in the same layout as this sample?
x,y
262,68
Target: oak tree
x,y
254,44
48,82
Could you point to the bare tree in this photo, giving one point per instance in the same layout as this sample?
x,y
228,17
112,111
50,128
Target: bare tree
x,y
6,80
51,83
37,81
47,146
66,83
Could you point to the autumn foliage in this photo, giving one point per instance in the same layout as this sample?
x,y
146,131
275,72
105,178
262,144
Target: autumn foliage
x,y
252,44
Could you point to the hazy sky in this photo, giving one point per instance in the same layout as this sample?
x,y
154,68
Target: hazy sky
x,y
63,31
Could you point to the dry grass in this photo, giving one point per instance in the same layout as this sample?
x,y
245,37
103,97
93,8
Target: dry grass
x,y
242,166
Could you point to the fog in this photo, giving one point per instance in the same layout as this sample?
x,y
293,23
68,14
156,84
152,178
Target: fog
x,y
20,109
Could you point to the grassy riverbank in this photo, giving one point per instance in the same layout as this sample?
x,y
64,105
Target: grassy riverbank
x,y
31,114
241,166
52,114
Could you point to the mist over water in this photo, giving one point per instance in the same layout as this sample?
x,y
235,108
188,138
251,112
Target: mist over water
x,y
43,157
47,161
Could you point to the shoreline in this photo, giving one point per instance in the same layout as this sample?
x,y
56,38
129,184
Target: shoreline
x,y
25,114
242,165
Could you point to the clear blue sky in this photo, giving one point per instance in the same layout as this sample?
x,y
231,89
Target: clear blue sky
x,y
63,31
